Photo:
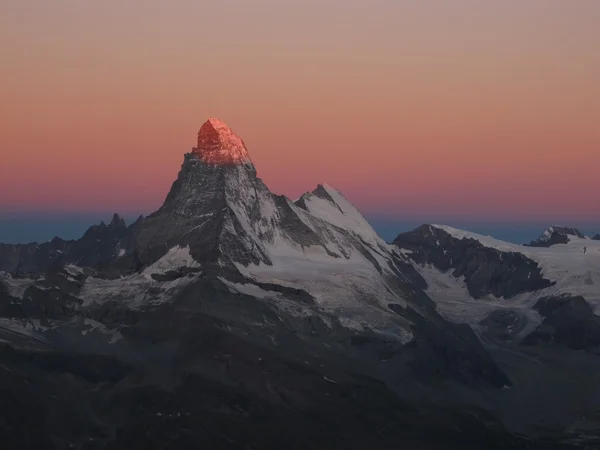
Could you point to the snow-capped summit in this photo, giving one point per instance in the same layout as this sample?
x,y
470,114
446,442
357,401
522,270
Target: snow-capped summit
x,y
556,234
218,144
329,204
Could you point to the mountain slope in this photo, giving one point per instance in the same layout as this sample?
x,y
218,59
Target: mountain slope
x,y
470,275
535,310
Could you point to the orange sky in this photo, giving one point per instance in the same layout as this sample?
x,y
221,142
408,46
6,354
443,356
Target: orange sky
x,y
483,109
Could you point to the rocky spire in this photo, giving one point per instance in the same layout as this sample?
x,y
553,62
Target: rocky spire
x,y
219,145
117,222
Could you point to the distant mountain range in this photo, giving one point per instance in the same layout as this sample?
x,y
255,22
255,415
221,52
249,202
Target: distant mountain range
x,y
233,317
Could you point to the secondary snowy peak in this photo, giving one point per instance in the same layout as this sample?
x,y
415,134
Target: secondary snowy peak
x,y
219,145
330,205
556,234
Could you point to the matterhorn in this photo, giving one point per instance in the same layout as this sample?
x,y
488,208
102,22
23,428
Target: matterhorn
x,y
236,318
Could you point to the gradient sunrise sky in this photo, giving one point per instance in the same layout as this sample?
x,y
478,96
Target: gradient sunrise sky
x,y
486,110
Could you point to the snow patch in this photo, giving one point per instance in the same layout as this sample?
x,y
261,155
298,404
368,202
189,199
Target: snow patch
x,y
351,323
93,325
16,286
141,289
74,270
176,258
29,328
249,289
332,281
455,304
133,291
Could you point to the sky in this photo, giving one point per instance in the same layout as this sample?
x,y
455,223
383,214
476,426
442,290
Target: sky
x,y
462,112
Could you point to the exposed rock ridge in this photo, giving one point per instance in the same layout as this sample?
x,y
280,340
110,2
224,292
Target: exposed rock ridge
x,y
487,271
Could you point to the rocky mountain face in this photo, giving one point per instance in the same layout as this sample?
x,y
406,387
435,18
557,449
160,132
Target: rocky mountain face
x,y
233,317
568,320
486,271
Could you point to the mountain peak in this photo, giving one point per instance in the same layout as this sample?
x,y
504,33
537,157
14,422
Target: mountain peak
x,y
561,229
117,221
556,234
219,145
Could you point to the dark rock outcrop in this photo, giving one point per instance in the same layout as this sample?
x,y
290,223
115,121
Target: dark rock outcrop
x,y
503,325
454,349
569,321
33,258
487,271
